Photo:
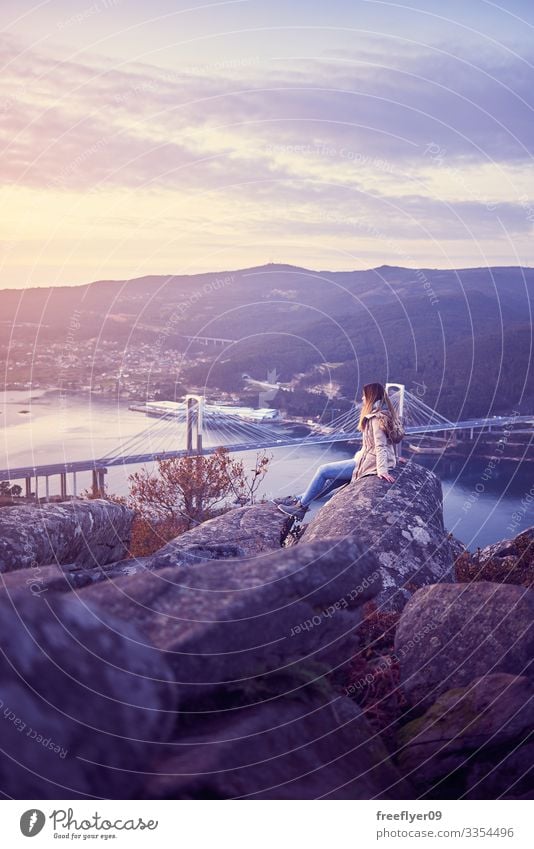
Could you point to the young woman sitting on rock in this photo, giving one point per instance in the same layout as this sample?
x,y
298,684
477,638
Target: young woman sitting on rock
x,y
376,456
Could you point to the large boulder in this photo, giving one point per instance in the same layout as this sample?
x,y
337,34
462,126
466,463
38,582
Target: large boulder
x,y
83,704
315,747
242,532
449,634
401,523
473,742
189,549
508,561
232,619
88,533
66,577
515,547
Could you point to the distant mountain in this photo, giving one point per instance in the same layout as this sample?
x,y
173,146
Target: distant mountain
x,y
465,334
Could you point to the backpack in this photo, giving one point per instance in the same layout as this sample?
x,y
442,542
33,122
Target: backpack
x,y
391,425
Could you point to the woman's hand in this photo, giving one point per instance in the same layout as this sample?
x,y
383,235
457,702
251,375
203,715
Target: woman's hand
x,y
387,477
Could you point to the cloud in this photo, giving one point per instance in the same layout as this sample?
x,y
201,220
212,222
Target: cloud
x,y
280,142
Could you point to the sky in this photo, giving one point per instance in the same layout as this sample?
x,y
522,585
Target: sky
x,y
180,137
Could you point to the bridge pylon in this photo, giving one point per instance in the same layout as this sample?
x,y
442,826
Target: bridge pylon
x,y
401,389
194,413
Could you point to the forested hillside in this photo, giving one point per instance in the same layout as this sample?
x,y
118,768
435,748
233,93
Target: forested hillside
x,y
464,335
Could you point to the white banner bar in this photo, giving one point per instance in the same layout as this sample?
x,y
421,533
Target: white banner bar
x,y
269,824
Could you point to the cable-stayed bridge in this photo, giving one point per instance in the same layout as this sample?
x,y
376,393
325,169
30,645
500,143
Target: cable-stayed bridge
x,y
195,428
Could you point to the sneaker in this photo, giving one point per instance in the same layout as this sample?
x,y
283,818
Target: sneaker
x,y
297,511
286,499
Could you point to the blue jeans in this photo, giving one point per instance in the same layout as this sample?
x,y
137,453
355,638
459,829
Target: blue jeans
x,y
341,471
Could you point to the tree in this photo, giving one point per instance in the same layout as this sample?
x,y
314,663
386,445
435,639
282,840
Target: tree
x,y
183,492
7,488
188,490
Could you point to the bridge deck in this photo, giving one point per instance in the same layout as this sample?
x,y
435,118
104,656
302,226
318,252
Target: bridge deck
x,y
18,472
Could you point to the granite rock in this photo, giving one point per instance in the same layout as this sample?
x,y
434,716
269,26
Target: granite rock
x,y
231,619
86,532
83,704
289,748
400,523
66,577
513,547
241,532
471,630
474,741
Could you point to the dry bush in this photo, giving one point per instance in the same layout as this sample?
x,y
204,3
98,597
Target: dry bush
x,y
371,678
184,492
148,537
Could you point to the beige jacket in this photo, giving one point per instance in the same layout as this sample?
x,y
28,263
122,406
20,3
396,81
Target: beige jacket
x,y
377,453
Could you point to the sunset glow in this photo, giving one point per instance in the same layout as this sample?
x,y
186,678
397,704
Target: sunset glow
x,y
156,139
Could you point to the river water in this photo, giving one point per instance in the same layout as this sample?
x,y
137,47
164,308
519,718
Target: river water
x,y
44,427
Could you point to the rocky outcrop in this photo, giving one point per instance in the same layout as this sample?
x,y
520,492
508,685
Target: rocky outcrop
x,y
83,705
505,548
243,532
457,547
218,667
312,747
248,640
474,742
234,619
54,578
475,629
88,533
400,523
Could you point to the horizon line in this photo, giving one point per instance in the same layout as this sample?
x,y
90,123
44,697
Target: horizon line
x,y
263,266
